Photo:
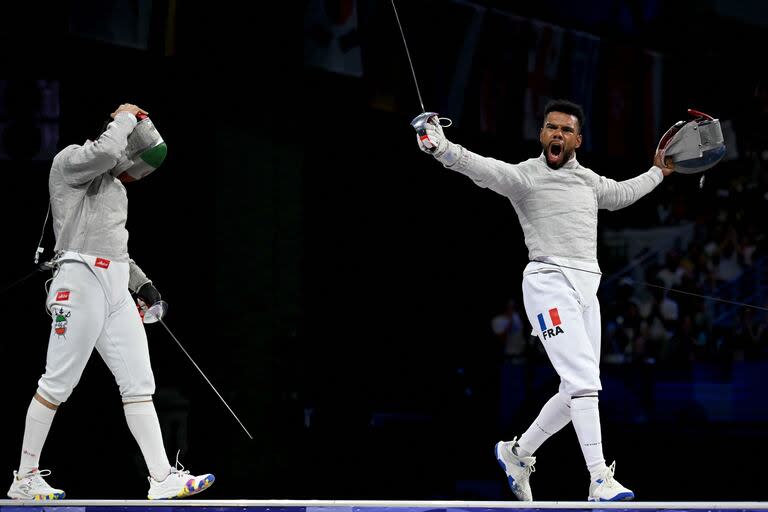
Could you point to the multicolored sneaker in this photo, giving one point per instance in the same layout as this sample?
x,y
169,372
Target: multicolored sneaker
x,y
518,469
178,484
606,488
33,486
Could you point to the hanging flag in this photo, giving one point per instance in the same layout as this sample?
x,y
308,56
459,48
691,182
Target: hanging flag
x,y
651,94
583,59
543,66
499,73
331,38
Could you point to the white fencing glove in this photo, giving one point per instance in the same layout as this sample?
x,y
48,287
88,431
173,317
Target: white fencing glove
x,y
434,143
430,141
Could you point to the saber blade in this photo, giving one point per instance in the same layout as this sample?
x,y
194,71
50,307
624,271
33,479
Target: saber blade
x,y
206,378
20,280
402,34
707,297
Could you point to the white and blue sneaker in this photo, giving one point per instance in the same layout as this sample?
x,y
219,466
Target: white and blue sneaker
x,y
606,488
517,468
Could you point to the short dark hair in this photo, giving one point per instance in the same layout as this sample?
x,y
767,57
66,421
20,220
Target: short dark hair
x,y
566,107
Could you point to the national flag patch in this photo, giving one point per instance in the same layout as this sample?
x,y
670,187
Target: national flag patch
x,y
554,317
550,326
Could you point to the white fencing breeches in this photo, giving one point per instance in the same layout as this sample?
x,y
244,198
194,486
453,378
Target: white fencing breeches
x,y
91,306
568,324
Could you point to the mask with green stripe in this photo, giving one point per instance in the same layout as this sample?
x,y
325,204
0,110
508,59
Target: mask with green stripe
x,y
144,153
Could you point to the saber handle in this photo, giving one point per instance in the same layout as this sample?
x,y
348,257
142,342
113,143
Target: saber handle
x,y
419,124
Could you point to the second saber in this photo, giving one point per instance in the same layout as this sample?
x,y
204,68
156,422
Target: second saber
x,y
206,378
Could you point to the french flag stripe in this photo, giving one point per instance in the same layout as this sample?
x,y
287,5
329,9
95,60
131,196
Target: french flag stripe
x,y
555,316
541,322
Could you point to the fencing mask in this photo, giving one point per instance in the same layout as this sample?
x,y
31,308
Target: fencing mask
x,y
694,146
144,153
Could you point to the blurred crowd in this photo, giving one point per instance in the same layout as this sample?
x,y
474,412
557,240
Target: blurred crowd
x,y
649,316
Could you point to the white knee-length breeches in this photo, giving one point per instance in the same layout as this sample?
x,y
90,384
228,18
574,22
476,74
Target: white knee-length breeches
x,y
91,306
568,324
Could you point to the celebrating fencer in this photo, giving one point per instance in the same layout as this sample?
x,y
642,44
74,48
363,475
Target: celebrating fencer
x,y
90,301
556,200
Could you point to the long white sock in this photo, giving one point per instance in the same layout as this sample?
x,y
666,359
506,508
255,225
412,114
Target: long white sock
x,y
36,427
586,421
145,427
555,414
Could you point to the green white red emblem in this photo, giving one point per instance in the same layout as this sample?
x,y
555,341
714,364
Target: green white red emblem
x,y
60,321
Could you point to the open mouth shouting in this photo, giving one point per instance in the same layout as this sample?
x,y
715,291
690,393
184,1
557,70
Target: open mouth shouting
x,y
555,153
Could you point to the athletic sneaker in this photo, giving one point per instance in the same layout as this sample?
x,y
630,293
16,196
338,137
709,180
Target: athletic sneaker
x,y
518,469
33,486
606,488
178,484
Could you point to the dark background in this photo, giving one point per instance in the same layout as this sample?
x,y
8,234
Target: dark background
x,y
339,289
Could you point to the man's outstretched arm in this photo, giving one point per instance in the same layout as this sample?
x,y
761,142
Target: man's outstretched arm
x,y
501,177
614,195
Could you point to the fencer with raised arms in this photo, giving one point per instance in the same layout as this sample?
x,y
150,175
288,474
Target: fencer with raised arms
x,y
556,200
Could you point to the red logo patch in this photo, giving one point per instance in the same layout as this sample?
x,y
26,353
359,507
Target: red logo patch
x,y
62,295
102,263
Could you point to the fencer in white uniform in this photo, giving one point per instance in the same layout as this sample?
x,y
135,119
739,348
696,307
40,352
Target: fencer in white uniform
x,y
91,305
556,200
